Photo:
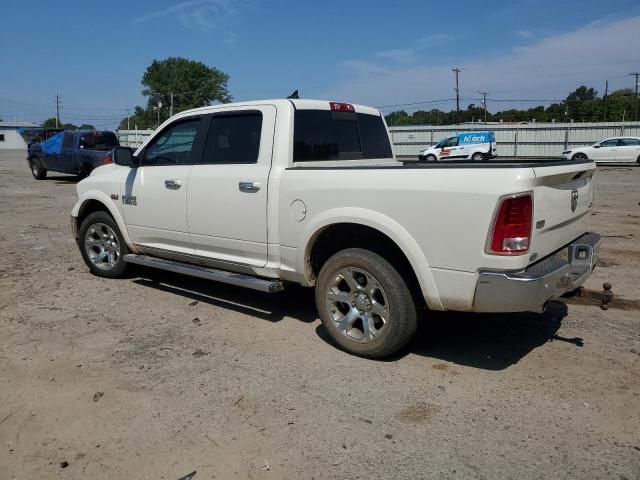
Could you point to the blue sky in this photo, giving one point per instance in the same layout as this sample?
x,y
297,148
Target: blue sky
x,y
379,53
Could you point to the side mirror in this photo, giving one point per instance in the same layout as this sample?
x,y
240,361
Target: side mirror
x,y
124,156
596,146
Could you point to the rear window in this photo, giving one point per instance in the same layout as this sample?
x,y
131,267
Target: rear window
x,y
329,135
98,141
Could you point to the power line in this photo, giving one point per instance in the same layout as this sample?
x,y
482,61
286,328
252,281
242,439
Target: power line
x,y
422,102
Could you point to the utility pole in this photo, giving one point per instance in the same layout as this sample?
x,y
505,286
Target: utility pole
x,y
604,100
457,71
158,106
636,74
58,110
171,105
484,104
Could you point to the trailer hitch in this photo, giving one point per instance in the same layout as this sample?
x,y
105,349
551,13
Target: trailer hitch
x,y
585,296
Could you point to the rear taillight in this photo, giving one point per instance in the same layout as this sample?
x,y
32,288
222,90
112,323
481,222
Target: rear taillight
x,y
107,160
341,107
512,227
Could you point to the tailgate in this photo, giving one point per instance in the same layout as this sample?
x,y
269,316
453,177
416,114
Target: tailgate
x,y
563,195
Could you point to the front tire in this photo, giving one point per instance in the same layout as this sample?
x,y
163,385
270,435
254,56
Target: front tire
x,y
432,158
37,170
580,156
365,304
102,245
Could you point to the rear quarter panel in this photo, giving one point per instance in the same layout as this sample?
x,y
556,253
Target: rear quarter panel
x,y
439,217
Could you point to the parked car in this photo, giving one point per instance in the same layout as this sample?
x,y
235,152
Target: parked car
x,y
75,152
617,149
476,146
269,193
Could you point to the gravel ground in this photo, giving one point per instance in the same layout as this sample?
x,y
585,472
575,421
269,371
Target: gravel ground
x,y
157,376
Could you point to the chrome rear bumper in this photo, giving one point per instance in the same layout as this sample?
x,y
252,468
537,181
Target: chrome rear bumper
x,y
530,289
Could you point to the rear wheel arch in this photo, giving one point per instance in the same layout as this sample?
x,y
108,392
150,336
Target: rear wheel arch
x,y
336,237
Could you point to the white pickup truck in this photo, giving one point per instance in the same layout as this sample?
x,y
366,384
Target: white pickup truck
x,y
267,193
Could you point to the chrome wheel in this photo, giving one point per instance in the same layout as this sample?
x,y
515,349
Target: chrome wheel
x,y
34,168
102,246
358,305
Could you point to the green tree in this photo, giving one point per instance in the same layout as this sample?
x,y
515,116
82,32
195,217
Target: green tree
x,y
190,83
620,103
49,123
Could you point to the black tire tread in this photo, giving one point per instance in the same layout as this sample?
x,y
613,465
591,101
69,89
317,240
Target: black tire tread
x,y
103,217
42,172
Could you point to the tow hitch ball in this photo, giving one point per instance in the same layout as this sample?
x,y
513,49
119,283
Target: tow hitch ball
x,y
604,297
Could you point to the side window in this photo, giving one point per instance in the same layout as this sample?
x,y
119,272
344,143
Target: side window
x,y
630,142
609,143
67,141
233,138
450,142
173,146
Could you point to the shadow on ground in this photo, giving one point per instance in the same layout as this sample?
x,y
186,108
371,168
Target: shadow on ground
x,y
486,341
295,301
60,179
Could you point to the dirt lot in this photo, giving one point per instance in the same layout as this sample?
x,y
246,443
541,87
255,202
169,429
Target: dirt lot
x,y
237,384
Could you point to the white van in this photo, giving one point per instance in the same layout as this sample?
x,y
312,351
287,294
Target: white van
x,y
477,146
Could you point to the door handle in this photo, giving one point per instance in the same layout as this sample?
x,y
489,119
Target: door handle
x,y
173,184
250,187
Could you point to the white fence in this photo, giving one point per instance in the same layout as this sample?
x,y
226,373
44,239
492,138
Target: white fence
x,y
526,140
515,140
133,138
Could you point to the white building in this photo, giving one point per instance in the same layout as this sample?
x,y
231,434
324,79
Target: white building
x,y
15,135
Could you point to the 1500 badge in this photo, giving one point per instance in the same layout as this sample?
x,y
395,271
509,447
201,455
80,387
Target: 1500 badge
x,y
129,200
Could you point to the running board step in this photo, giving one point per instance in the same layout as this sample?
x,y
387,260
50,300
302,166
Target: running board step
x,y
238,279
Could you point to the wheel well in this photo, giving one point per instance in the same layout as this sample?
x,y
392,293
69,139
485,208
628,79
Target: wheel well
x,y
89,207
341,236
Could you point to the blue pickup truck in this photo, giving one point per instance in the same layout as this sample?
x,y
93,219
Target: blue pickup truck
x,y
74,152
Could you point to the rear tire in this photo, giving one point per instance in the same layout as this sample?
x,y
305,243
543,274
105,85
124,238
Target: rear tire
x,y
478,157
580,156
102,246
37,170
365,304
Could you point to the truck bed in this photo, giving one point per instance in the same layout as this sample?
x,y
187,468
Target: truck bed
x,y
416,164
